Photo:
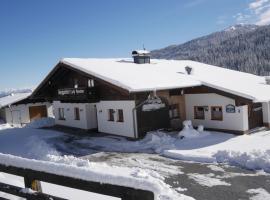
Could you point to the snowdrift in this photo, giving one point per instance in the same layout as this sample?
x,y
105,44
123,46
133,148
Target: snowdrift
x,y
41,123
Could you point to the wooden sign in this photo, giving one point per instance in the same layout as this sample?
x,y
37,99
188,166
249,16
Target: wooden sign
x,y
230,108
71,91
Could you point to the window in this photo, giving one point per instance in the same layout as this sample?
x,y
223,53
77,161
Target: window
x,y
76,113
174,111
91,83
216,113
199,112
61,114
120,115
111,115
76,83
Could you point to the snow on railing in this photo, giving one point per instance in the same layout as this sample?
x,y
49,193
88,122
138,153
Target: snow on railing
x,y
79,177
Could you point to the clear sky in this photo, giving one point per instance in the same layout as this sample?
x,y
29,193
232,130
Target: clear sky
x,y
35,34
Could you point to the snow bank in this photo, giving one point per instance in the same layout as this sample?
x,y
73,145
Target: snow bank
x,y
28,143
4,126
259,194
41,123
248,151
255,160
190,156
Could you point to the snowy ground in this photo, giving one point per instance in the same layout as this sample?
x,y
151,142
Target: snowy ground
x,y
35,146
142,160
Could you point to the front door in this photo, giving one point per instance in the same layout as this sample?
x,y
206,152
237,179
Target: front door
x,y
36,112
255,116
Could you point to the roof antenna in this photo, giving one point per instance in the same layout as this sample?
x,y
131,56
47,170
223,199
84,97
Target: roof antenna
x,y
143,47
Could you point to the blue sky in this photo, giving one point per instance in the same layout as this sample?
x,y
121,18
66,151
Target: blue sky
x,y
35,34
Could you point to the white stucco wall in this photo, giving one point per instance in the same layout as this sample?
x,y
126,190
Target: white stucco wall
x,y
231,121
266,112
21,112
125,128
87,120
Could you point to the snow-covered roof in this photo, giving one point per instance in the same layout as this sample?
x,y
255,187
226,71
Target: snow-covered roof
x,y
13,98
169,74
140,52
130,76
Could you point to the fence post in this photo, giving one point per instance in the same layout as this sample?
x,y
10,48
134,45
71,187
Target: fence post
x,y
32,184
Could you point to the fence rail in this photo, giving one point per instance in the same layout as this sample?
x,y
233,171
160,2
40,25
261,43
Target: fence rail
x,y
32,180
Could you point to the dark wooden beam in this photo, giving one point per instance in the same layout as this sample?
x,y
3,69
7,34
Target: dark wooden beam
x,y
119,89
205,89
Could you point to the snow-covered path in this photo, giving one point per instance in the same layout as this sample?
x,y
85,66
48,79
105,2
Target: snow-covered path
x,y
198,180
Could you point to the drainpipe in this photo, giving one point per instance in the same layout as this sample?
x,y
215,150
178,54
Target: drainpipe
x,y
134,111
11,114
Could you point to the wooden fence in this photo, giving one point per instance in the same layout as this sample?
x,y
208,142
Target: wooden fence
x,y
32,180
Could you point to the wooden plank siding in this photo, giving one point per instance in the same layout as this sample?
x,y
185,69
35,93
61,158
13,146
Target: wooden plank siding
x,y
63,76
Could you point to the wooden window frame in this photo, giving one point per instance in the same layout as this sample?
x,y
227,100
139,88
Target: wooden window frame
x,y
195,113
90,83
216,119
76,83
173,114
77,114
120,117
61,114
111,115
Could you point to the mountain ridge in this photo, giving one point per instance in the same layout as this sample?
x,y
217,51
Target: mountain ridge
x,y
240,47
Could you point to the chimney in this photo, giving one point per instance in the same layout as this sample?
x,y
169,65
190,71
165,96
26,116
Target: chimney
x,y
141,56
188,70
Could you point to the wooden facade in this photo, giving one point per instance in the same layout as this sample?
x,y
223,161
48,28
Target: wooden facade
x,y
60,85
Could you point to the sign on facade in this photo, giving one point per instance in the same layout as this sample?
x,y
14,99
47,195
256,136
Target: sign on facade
x,y
230,108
